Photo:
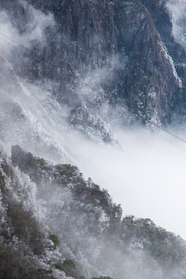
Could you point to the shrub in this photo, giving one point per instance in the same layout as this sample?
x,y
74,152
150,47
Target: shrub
x,y
69,267
25,226
2,183
55,239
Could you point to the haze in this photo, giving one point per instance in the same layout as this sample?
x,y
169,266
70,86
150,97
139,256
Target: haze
x,y
147,176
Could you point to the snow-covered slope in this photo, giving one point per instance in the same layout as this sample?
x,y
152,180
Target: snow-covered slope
x,y
54,222
70,73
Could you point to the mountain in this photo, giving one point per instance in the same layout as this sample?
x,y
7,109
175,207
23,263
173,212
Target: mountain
x,y
95,52
54,222
70,72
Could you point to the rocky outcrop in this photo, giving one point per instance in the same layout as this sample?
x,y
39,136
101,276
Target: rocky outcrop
x,y
92,126
151,82
90,226
130,41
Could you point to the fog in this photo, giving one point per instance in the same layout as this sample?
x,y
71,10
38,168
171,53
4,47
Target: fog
x,y
178,19
144,172
32,32
146,175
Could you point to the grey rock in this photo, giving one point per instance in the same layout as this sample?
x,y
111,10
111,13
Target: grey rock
x,y
88,34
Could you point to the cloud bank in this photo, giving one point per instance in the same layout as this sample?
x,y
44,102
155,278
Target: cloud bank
x,y
147,176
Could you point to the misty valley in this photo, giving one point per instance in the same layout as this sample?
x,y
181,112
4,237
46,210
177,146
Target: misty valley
x,y
92,139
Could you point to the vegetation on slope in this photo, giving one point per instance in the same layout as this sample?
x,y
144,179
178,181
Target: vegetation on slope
x,y
53,222
88,227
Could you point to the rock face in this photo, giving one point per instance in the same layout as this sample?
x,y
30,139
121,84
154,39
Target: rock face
x,y
129,44
90,226
151,82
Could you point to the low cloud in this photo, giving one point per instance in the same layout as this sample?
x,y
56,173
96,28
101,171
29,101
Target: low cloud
x,y
147,176
177,10
34,30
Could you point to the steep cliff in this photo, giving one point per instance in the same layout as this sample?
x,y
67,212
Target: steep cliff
x,y
118,52
87,63
56,224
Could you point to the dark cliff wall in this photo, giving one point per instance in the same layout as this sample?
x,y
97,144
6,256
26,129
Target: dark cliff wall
x,y
87,36
151,82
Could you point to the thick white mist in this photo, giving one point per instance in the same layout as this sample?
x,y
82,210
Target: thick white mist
x,y
10,36
147,176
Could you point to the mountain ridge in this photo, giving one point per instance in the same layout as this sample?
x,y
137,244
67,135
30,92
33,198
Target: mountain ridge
x,y
47,207
72,70
102,32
